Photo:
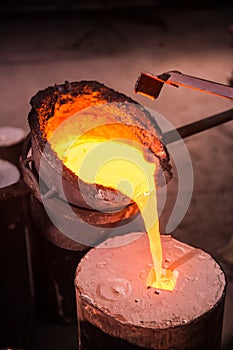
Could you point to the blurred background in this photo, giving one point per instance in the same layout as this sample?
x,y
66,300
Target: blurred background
x,y
48,42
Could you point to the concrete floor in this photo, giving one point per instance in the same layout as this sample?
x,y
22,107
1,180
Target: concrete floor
x,y
39,52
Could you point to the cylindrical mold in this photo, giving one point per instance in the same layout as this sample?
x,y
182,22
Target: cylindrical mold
x,y
118,311
11,142
16,299
9,173
54,260
53,271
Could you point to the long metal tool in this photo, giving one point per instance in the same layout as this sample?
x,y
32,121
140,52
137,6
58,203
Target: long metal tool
x,y
151,85
197,126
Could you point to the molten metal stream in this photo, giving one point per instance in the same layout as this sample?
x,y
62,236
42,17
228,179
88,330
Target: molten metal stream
x,y
119,163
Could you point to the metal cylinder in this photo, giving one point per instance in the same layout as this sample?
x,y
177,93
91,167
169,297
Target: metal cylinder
x,y
16,297
11,142
117,310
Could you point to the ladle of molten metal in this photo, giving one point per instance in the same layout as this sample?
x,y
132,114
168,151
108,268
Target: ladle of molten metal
x,y
126,170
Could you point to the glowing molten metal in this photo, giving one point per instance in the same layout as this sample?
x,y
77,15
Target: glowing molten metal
x,y
111,155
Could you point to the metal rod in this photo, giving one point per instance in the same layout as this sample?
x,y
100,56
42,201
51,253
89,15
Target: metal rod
x,y
150,85
198,126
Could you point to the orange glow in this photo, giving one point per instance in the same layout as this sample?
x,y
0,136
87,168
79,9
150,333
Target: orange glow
x,y
68,108
111,155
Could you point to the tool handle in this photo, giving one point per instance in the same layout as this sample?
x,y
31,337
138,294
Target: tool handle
x,y
179,79
198,126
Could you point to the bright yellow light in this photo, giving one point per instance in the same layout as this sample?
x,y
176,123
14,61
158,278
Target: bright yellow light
x,y
119,163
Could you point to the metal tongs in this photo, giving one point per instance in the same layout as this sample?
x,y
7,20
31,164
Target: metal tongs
x,y
150,85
